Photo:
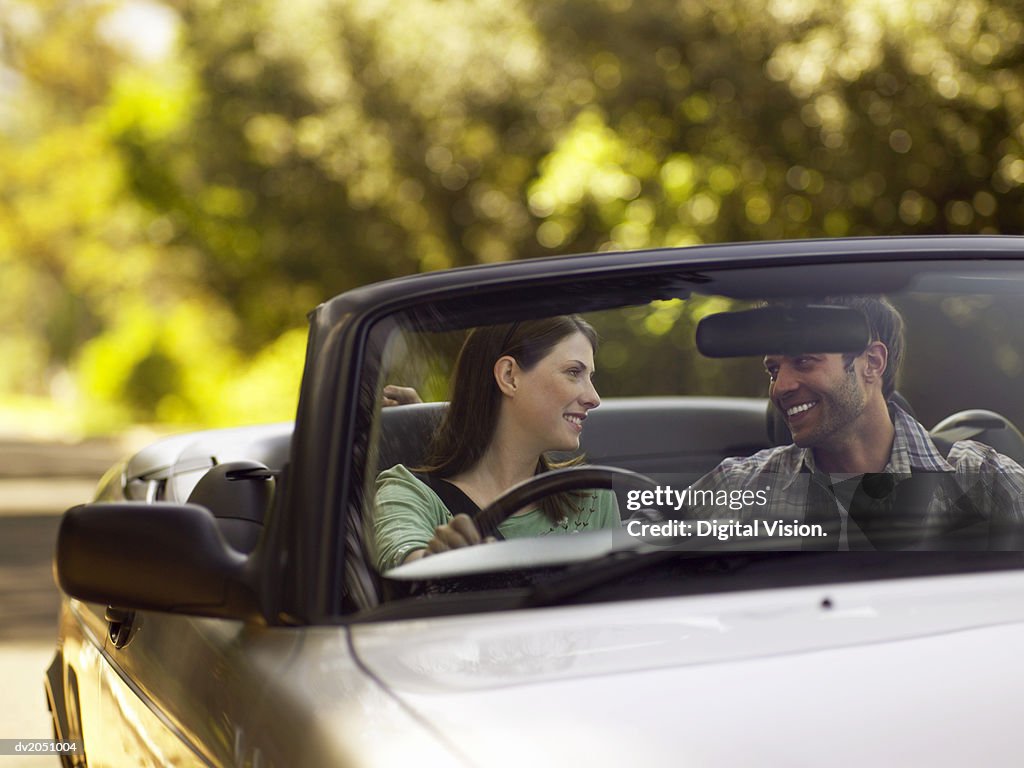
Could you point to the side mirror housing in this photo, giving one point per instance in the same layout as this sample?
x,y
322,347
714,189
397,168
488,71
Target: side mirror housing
x,y
163,557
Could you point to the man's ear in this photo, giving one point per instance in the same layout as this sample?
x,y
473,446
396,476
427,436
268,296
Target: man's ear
x,y
876,358
506,373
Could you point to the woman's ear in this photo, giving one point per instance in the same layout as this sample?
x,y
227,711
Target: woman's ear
x,y
506,372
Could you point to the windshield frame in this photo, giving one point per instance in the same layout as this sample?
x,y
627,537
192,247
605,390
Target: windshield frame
x,y
655,274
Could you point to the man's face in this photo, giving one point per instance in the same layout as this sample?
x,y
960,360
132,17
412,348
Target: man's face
x,y
820,398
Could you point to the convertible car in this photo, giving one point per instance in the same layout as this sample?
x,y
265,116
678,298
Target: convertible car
x,y
223,604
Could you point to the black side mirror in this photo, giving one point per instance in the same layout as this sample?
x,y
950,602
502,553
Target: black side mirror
x,y
164,557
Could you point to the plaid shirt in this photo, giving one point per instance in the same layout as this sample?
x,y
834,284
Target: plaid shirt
x,y
920,500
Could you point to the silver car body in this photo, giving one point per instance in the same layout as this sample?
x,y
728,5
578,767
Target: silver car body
x,y
908,670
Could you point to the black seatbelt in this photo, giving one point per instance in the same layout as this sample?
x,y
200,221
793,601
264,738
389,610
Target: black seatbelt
x,y
943,445
453,497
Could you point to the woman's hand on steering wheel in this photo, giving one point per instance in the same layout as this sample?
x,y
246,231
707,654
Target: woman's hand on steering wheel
x,y
460,532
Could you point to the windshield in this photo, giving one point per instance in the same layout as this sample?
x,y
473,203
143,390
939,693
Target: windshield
x,y
771,411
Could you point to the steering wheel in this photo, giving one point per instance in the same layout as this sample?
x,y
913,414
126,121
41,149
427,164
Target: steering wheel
x,y
556,481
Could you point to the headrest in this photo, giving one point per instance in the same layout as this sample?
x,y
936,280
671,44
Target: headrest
x,y
406,432
988,427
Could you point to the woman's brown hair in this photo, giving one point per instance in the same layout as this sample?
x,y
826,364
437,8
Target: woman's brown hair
x,y
472,415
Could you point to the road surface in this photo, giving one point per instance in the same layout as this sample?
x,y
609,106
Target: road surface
x,y
38,481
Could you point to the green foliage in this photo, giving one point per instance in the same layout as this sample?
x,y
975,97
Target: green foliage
x,y
165,225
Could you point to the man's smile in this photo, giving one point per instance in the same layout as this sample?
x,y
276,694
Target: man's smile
x,y
796,410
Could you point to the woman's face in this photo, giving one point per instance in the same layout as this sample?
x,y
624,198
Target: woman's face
x,y
550,401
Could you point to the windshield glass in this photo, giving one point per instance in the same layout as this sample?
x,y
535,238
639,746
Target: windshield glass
x,y
823,408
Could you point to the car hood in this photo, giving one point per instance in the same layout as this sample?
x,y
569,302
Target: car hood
x,y
886,672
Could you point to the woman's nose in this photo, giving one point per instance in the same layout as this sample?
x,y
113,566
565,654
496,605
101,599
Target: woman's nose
x,y
590,398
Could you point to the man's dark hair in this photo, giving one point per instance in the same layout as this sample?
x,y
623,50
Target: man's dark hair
x,y
885,324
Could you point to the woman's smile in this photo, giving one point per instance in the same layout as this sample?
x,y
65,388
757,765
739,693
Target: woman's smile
x,y
576,420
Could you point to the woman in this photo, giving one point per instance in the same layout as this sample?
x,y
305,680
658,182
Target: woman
x,y
518,391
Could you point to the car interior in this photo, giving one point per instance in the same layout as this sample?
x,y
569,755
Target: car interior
x,y
658,415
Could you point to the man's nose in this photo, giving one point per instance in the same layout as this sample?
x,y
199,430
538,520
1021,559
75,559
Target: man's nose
x,y
785,381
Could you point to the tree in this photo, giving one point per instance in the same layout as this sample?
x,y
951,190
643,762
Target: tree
x,y
293,150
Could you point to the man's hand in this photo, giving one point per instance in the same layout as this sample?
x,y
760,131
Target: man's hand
x,y
395,395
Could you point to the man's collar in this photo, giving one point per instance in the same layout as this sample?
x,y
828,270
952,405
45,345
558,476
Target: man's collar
x,y
912,448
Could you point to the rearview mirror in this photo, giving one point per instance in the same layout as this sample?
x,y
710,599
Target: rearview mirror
x,y
783,330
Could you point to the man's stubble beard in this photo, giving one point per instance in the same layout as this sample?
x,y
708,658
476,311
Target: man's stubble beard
x,y
840,409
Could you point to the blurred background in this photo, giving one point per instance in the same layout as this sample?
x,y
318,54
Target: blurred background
x,y
181,181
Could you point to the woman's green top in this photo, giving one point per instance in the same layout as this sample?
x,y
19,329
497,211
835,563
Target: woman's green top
x,y
407,512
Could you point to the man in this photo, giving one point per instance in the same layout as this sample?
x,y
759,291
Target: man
x,y
862,473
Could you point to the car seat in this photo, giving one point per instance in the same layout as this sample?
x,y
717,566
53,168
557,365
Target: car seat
x,y
987,427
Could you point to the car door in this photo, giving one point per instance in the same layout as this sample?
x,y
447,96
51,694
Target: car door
x,y
142,691
181,690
